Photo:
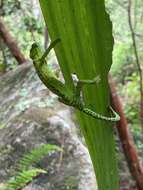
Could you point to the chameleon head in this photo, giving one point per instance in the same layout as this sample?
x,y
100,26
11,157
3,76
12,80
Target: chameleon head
x,y
35,52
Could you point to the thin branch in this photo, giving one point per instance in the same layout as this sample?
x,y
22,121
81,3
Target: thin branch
x,y
11,43
126,139
133,35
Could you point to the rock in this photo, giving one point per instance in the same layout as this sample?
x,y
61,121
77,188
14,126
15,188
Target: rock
x,y
30,115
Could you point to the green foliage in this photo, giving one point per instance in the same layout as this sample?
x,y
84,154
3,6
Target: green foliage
x,y
123,55
121,59
137,136
36,155
131,95
23,20
9,7
30,24
26,167
22,179
124,68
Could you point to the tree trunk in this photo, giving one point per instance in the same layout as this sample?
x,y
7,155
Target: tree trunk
x,y
128,146
11,43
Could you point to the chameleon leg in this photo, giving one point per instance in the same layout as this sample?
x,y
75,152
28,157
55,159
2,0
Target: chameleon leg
x,y
81,83
52,45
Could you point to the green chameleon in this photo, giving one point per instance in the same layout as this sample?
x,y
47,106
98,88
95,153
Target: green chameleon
x,y
52,83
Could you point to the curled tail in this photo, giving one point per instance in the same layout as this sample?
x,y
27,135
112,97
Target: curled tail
x,y
115,117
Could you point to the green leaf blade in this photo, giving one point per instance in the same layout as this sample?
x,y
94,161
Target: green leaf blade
x,y
86,49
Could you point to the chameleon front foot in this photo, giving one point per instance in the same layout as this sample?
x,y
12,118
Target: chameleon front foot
x,y
80,83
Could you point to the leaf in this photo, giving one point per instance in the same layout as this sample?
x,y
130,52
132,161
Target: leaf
x,y
36,155
22,179
86,47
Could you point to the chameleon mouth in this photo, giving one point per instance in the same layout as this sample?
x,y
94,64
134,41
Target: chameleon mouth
x,y
34,51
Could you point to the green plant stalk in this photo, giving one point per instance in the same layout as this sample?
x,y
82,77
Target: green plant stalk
x,y
86,49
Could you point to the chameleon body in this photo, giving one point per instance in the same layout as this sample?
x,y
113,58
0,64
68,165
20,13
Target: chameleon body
x,y
52,83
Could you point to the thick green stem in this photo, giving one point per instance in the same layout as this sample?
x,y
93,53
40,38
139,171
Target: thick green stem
x,y
86,46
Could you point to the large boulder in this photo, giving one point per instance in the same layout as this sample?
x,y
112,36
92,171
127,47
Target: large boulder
x,y
30,115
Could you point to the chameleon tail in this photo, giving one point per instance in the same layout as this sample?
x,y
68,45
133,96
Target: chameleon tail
x,y
115,117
